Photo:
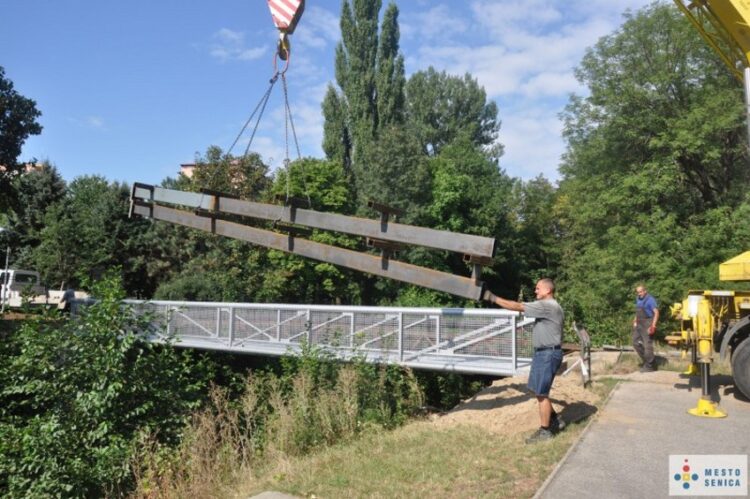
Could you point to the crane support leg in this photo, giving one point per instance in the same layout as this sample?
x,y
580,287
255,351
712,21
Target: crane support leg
x,y
706,407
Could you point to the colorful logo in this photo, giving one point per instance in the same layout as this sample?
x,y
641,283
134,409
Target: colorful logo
x,y
708,475
686,477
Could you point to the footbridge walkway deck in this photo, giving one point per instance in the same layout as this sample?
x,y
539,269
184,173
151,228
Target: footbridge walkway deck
x,y
481,341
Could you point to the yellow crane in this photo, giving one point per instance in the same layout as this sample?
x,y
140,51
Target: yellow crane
x,y
718,321
725,25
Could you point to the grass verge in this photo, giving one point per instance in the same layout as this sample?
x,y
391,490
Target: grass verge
x,y
421,460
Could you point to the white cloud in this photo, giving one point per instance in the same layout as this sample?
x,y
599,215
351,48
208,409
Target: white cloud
x,y
438,22
92,122
319,28
229,45
550,84
226,35
521,51
533,142
270,149
95,122
508,16
308,121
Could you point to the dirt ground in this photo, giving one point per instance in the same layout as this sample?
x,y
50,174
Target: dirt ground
x,y
507,407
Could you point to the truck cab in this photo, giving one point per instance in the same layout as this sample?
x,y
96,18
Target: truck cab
x,y
15,285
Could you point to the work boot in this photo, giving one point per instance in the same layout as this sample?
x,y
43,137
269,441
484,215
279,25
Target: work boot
x,y
540,435
557,424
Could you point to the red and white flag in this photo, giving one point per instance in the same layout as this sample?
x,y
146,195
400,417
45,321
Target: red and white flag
x,y
286,13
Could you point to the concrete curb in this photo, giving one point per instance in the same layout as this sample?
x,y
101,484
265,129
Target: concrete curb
x,y
575,445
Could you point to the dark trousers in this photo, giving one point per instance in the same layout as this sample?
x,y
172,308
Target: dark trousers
x,y
644,343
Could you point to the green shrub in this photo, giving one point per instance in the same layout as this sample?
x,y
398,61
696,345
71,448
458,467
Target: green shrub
x,y
75,393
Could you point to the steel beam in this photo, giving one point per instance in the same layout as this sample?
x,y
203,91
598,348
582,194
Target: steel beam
x,y
375,229
441,281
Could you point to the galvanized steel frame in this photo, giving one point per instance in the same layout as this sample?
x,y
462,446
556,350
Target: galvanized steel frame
x,y
480,341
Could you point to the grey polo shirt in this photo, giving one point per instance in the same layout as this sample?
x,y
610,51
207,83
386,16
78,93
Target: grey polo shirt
x,y
548,329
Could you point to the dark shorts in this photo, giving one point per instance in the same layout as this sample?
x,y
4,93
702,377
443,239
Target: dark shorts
x,y
543,368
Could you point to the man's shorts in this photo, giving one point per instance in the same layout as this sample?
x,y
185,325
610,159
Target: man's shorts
x,y
543,368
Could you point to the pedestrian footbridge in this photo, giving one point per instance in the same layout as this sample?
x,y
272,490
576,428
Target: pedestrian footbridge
x,y
480,341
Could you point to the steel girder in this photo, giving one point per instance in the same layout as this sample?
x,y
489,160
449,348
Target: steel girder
x,y
147,201
465,287
376,229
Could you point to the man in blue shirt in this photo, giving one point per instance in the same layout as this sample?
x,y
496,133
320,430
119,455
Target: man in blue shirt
x,y
644,327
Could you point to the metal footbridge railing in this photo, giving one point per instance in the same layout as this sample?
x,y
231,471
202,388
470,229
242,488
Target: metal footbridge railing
x,y
481,341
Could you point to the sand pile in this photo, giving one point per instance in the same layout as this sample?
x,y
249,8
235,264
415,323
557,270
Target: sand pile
x,y
508,407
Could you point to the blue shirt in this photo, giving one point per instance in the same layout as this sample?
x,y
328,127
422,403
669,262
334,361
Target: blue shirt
x,y
647,303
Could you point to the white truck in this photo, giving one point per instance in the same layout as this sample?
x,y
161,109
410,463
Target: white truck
x,y
19,287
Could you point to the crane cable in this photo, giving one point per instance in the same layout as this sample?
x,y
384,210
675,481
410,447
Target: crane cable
x,y
286,25
288,124
262,106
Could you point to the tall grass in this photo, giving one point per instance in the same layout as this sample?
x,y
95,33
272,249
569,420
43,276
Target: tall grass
x,y
312,404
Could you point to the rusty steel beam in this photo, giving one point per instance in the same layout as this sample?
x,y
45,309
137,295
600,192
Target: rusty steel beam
x,y
464,287
375,229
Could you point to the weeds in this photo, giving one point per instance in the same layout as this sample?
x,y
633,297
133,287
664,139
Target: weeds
x,y
313,403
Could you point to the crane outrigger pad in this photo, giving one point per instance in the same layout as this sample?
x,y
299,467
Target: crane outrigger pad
x,y
375,229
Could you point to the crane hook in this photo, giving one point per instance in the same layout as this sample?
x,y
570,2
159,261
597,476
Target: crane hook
x,y
283,48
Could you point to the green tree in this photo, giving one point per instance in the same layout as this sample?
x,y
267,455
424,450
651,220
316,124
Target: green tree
x,y
337,139
442,107
159,254
36,191
536,233
470,195
654,150
370,77
389,79
290,278
84,233
397,173
18,120
243,176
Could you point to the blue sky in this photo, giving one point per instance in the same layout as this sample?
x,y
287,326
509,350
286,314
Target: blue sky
x,y
129,90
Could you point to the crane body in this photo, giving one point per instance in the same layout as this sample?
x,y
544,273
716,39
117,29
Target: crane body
x,y
718,321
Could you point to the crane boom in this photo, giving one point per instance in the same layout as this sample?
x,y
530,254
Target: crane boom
x,y
725,25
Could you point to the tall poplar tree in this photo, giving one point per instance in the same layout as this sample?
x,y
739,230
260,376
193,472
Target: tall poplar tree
x,y
370,78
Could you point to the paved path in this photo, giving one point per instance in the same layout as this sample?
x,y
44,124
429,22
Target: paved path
x,y
624,453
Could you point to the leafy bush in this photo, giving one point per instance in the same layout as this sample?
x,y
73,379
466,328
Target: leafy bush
x,y
75,393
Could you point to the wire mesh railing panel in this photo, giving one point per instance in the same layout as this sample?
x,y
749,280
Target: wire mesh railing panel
x,y
255,324
375,330
524,346
330,328
292,325
195,321
420,331
154,314
479,335
432,338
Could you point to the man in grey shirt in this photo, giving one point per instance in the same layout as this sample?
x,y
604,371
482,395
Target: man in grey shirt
x,y
546,339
